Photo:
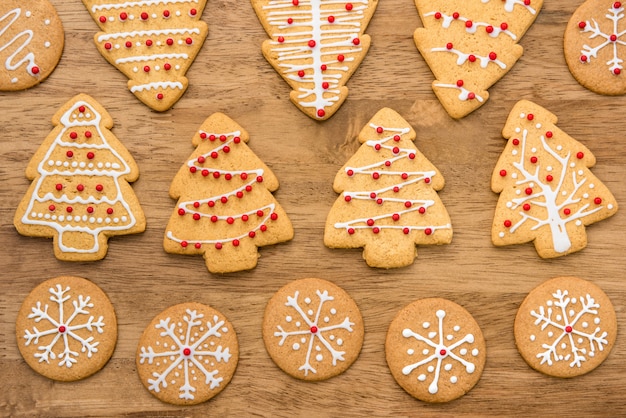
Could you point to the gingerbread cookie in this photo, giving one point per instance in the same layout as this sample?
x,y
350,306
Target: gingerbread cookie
x,y
548,195
435,350
389,201
595,46
79,194
565,327
316,46
66,328
225,208
188,354
31,43
312,329
153,43
470,45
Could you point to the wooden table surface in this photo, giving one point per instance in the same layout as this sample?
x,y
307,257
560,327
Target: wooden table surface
x,y
230,75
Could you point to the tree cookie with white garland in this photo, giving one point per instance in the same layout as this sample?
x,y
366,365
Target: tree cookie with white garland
x,y
595,46
153,43
66,328
565,327
548,194
435,350
389,201
80,193
469,45
31,43
316,46
312,329
225,208
188,354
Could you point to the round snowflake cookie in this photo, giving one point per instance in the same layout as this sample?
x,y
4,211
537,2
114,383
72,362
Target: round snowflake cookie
x,y
312,329
66,328
435,350
595,46
187,354
31,42
565,327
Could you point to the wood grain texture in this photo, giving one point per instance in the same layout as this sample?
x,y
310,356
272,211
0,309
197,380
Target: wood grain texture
x,y
230,75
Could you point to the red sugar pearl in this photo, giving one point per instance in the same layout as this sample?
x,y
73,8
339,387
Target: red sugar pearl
x,y
321,113
301,73
617,5
375,176
493,56
583,58
348,198
99,187
331,19
508,223
289,21
230,220
295,2
193,12
259,179
504,26
325,85
108,46
260,213
527,2
379,130
69,209
617,71
373,195
110,211
549,177
568,329
184,244
90,209
471,95
377,147
443,352
218,246
69,154
533,159
489,29
356,41
376,230
429,231
549,134
437,15
459,83
144,16
196,216
471,58
274,216
80,187
236,243
580,155
323,67
245,218
597,200
159,96
59,186
406,231
526,207
197,245
224,199
102,19
128,44
395,217
88,134
146,69
396,138
312,43
166,13
251,234
340,58
204,172
515,141
408,204
167,66
528,191
370,222
149,42
449,45
216,174
239,194
567,211
62,329
91,155
188,41
169,41
502,173
395,150
351,231
469,24
379,201
181,211
427,180
281,39
582,25
51,208
530,116
214,218
422,210
349,6
613,37
456,15
350,173
123,16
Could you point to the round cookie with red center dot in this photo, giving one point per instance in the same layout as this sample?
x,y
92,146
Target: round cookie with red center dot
x,y
565,327
312,329
66,328
187,354
435,350
595,46
31,43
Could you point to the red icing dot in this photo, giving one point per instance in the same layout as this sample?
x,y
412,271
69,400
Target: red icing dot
x,y
471,95
80,187
456,15
356,41
146,68
508,223
597,200
471,58
377,147
396,138
196,204
321,113
582,25
274,216
373,195
281,39
295,2
313,329
90,155
422,210
370,222
583,58
411,156
224,199
88,134
196,216
549,134
396,150
90,209
239,194
197,245
62,329
188,41
504,26
408,204
312,43
236,243
427,180
81,109
493,56
167,66
144,16
530,116
379,130
449,45
51,208
59,186
348,198
69,154
230,220
350,173
108,45
459,83
301,73
515,141
216,174
260,213
102,19
376,230
549,177
617,71
567,211
502,173
349,6
528,191
181,211
205,172
428,231
526,207
533,159
580,155
251,234
489,29
184,244
469,24
259,179
289,21
613,37
166,13
325,85
149,42
99,187
218,246
110,211
406,231
443,352
159,96
323,67
617,5
395,217
214,218
128,44
437,15
169,41
527,2
568,329
379,201
340,58
123,16
350,231
193,12
69,209
73,135
331,19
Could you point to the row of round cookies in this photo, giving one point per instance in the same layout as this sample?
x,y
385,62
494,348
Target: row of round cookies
x,y
313,330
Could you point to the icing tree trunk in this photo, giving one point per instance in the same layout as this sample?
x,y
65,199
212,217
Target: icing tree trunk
x,y
80,193
389,201
225,207
316,45
152,46
547,192
469,45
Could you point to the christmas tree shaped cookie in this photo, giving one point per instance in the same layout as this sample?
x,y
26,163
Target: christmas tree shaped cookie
x,y
316,46
470,45
80,193
389,201
548,195
152,42
225,206
595,46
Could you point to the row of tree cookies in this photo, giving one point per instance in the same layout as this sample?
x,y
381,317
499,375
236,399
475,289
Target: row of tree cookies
x,y
80,193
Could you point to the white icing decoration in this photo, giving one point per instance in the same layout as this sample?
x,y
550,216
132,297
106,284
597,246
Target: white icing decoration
x,y
139,3
72,329
320,331
26,36
594,340
464,93
139,58
446,20
157,85
187,363
465,57
439,347
614,15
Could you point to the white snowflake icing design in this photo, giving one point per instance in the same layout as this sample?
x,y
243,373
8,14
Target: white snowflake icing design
x,y
611,39
64,328
185,352
307,333
442,350
569,329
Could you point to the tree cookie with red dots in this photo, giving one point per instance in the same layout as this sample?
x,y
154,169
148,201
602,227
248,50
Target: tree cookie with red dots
x,y
470,45
312,329
316,46
595,46
80,193
188,354
153,43
31,43
548,195
225,208
66,328
389,201
435,350
565,327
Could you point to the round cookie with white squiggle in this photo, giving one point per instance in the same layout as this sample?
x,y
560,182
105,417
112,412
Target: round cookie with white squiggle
x,y
565,327
31,43
312,329
435,350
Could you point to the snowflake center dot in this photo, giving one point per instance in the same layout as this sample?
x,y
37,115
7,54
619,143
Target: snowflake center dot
x,y
568,329
62,329
313,329
443,352
187,351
